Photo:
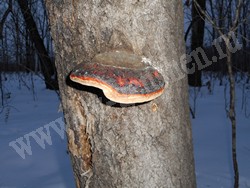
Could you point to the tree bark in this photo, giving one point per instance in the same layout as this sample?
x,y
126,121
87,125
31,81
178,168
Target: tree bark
x,y
143,145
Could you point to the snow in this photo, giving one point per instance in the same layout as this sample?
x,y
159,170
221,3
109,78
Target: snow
x,y
27,110
30,112
212,139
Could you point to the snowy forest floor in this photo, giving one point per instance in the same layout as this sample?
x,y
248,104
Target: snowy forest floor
x,y
29,109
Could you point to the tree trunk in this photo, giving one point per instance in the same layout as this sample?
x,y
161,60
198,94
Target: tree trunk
x,y
198,26
143,145
232,114
46,62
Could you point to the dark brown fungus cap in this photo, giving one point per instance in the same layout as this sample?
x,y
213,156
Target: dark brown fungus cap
x,y
123,77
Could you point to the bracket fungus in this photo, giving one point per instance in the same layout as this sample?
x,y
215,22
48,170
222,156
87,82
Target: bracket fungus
x,y
122,76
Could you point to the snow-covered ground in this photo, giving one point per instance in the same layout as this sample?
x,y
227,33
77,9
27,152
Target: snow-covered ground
x,y
27,110
212,137
34,111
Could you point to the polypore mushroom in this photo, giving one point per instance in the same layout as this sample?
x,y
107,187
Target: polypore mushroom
x,y
122,76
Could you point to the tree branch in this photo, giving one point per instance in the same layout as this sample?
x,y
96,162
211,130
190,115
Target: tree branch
x,y
210,20
237,16
5,15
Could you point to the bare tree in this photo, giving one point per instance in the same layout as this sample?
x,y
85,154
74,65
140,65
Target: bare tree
x,y
244,32
230,40
5,15
198,25
46,61
4,44
113,145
